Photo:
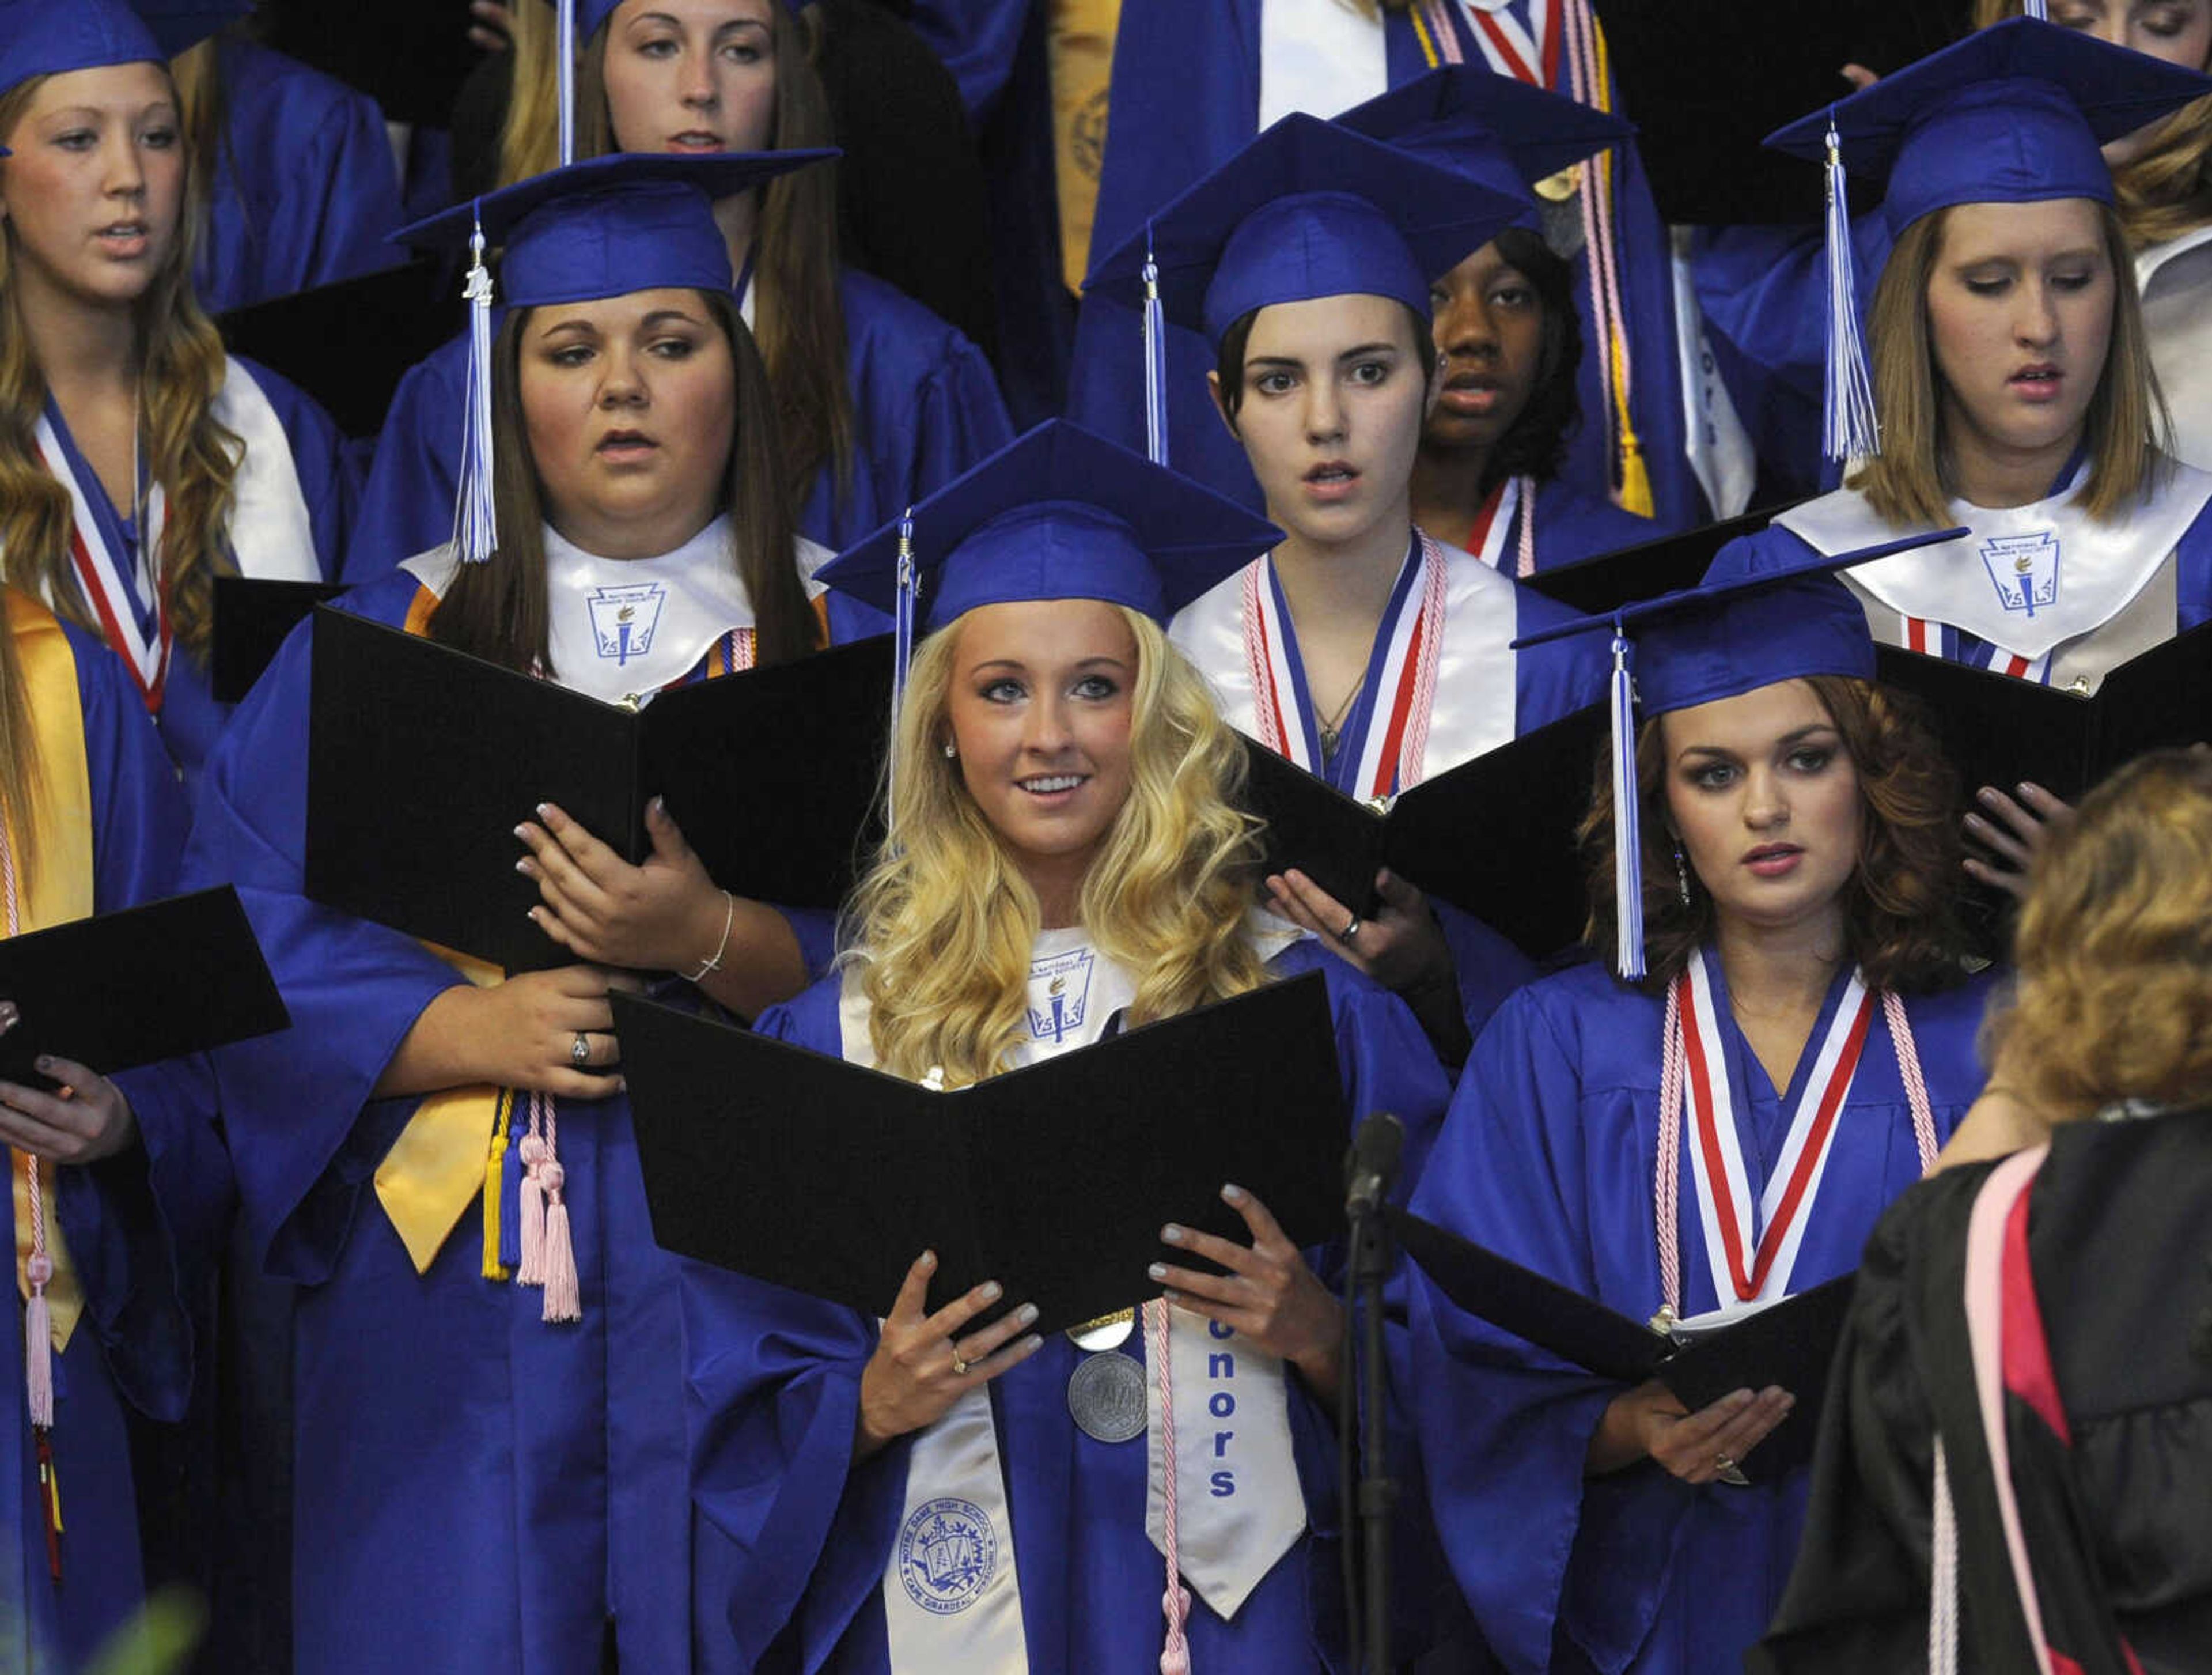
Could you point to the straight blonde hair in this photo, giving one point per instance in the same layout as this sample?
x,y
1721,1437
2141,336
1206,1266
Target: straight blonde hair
x,y
1908,484
942,927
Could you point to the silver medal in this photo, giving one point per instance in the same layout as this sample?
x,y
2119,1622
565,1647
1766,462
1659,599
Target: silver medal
x,y
1106,1395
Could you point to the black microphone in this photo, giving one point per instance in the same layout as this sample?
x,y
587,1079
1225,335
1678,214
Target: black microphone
x,y
1372,1164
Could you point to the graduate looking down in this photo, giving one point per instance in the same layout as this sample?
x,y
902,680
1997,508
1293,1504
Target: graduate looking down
x,y
1359,648
137,461
1714,1131
439,1154
1066,859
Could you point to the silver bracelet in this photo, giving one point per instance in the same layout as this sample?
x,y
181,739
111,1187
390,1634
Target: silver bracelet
x,y
714,960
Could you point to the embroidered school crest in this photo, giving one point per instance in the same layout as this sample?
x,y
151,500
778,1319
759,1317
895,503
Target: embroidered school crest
x,y
623,619
947,1555
1060,990
2024,569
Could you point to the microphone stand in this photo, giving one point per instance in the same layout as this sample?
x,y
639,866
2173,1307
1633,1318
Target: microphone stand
x,y
1373,1170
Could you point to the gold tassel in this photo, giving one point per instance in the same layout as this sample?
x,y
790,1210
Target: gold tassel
x,y
1635,494
494,1179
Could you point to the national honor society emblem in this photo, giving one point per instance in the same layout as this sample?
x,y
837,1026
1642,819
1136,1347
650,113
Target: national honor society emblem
x,y
623,619
1060,992
947,1555
2024,569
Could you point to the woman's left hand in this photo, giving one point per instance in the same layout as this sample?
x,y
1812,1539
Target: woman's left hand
x,y
1269,1296
87,1119
2013,831
666,916
1399,947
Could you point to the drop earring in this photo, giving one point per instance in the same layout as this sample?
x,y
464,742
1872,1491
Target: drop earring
x,y
951,750
1681,873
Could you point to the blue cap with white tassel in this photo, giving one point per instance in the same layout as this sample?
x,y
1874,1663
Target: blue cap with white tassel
x,y
1752,621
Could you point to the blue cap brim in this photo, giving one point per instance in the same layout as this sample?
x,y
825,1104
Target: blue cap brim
x,y
1450,117
180,28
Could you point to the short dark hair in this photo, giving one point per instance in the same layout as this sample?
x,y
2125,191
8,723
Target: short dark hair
x,y
1229,364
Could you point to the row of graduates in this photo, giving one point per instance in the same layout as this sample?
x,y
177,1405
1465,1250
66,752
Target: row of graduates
x,y
647,428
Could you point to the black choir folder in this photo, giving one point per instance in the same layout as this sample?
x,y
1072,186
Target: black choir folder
x,y
252,618
1788,1344
422,760
1997,730
1054,1180
1495,835
136,986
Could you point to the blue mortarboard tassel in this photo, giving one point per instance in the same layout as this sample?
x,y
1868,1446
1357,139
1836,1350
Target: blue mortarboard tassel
x,y
1627,818
903,617
564,58
2036,10
475,520
1849,429
1156,348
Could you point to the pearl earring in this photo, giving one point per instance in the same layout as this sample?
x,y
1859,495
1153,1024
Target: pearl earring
x,y
951,751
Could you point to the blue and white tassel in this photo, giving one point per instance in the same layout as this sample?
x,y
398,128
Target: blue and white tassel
x,y
1156,352
475,520
1849,429
1627,819
564,54
905,611
2037,9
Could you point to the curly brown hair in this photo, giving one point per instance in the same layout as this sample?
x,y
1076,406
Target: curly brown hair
x,y
1900,913
2113,996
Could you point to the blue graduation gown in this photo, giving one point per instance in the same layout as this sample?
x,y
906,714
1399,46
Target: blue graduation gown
x,y
141,1228
923,396
190,718
1186,98
1547,1157
790,1537
306,186
474,1489
1571,526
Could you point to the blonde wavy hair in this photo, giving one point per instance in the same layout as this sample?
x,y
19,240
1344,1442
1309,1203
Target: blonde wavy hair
x,y
1908,483
2113,996
941,928
2166,191
193,458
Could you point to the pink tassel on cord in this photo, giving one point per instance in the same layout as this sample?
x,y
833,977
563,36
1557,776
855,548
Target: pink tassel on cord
x,y
529,1203
39,1337
563,1296
1175,1603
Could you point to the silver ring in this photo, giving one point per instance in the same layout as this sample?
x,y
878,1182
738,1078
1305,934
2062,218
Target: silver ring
x,y
960,1369
580,1051
1351,930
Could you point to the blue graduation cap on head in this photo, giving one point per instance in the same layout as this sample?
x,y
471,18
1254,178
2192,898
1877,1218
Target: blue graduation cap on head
x,y
2014,113
180,25
1307,210
1497,129
1057,514
1739,629
605,227
53,37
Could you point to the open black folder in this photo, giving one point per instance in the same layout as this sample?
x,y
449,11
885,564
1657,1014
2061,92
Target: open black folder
x,y
422,760
136,986
1056,1179
252,618
1997,730
1788,1344
1495,835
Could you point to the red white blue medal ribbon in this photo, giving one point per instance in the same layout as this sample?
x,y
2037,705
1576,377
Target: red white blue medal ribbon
x,y
100,573
1530,54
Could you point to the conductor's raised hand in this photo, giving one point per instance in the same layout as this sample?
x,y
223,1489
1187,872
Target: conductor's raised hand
x,y
923,1362
1269,1296
666,916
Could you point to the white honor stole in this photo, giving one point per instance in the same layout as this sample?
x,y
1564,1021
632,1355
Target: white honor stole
x,y
1751,1250
1318,55
2045,587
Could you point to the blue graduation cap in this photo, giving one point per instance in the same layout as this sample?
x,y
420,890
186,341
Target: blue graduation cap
x,y
180,25
628,222
1744,626
1057,514
1496,129
592,14
52,37
2014,113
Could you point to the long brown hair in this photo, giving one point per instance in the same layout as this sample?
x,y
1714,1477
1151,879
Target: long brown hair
x,y
2166,190
497,609
798,315
195,459
1900,919
1907,484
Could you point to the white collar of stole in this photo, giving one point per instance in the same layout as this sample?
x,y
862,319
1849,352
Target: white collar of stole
x,y
2028,578
1750,1248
